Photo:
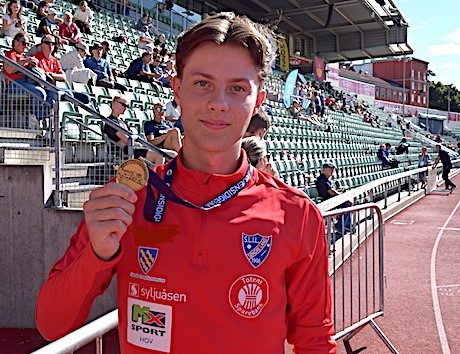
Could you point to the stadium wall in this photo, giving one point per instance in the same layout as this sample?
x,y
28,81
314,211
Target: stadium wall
x,y
32,239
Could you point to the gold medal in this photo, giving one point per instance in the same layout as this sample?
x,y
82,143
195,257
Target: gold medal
x,y
133,174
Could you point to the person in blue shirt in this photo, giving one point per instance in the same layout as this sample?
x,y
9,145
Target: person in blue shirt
x,y
326,191
443,156
101,68
140,69
160,132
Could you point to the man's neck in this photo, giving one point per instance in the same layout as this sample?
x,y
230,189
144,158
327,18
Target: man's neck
x,y
222,163
46,54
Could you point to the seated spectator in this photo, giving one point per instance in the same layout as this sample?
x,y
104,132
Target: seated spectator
x,y
145,40
457,150
160,41
49,25
42,10
438,138
13,22
101,68
119,105
160,132
158,69
257,155
385,156
140,69
17,55
106,54
69,31
403,147
390,120
295,108
423,161
258,126
317,103
52,68
72,64
143,21
83,18
326,191
172,113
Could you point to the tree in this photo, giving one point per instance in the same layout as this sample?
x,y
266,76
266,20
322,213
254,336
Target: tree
x,y
439,95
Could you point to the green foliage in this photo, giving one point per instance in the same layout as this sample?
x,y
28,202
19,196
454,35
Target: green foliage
x,y
439,94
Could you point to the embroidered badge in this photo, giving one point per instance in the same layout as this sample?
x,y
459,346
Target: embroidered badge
x,y
146,257
248,295
256,248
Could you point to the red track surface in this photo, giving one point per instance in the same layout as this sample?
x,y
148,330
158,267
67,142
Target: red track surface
x,y
409,320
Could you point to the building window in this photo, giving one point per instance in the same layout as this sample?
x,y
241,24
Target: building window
x,y
413,85
412,73
418,99
424,88
412,98
424,100
418,74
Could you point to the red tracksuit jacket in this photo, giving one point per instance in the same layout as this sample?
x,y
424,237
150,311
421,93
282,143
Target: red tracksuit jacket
x,y
236,279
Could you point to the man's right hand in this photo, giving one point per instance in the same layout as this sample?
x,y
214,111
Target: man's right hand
x,y
108,213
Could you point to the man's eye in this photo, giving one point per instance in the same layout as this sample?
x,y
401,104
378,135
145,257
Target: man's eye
x,y
239,88
201,83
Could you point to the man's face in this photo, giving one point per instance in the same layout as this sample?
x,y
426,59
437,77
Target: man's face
x,y
119,106
328,172
218,94
147,59
158,112
21,45
97,53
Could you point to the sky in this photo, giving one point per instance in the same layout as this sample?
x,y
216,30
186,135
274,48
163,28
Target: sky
x,y
434,35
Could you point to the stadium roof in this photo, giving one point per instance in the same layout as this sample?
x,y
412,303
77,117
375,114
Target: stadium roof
x,y
337,30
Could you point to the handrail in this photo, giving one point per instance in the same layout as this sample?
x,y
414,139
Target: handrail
x,y
81,336
355,192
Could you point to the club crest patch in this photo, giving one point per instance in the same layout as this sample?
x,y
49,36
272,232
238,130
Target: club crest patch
x,y
256,248
146,257
248,295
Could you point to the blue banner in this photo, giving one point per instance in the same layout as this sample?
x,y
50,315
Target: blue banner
x,y
289,88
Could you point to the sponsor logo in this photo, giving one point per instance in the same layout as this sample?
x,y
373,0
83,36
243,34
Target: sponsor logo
x,y
133,289
154,294
146,257
248,295
149,325
256,248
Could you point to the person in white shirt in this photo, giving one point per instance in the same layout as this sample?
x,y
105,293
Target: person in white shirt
x,y
172,111
145,40
13,22
83,18
72,64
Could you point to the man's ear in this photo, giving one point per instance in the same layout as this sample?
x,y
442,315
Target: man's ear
x,y
261,95
176,85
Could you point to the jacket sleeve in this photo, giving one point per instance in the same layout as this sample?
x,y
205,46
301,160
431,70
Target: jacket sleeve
x,y
310,327
65,299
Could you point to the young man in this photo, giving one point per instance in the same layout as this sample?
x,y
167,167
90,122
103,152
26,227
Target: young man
x,y
259,125
443,156
161,132
238,271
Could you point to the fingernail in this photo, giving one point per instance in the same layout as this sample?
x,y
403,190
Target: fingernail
x,y
133,198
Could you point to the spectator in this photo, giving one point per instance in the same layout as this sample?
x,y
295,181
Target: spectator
x,y
13,22
106,54
72,64
322,102
145,40
385,156
172,113
140,69
403,147
443,156
17,55
160,132
295,108
390,120
160,41
438,138
423,161
42,10
48,25
118,137
257,155
52,68
69,31
143,21
163,78
259,125
101,68
457,150
317,103
326,191
83,18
